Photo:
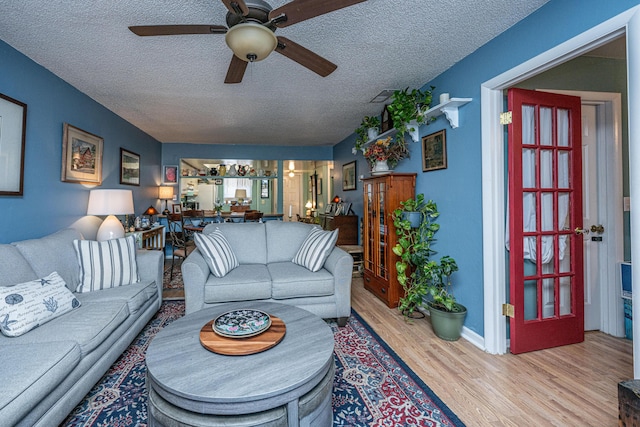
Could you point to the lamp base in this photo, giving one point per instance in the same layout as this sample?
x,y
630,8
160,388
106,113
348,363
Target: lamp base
x,y
111,228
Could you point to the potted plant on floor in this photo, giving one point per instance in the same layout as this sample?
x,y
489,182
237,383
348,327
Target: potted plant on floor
x,y
414,249
447,315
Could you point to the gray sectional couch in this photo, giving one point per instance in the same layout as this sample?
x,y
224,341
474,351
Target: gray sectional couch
x,y
47,371
266,272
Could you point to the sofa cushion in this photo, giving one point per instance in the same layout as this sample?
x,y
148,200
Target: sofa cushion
x,y
28,305
106,264
247,239
247,282
135,295
53,253
89,325
285,238
316,249
217,252
14,268
290,280
30,372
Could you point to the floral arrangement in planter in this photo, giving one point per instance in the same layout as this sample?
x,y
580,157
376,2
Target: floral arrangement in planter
x,y
385,150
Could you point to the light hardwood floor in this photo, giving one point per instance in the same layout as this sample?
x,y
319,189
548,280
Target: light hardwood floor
x,y
573,385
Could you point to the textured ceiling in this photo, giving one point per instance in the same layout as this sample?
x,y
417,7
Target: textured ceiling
x,y
172,86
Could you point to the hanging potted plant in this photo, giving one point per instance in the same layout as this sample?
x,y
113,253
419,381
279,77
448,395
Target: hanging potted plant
x,y
368,130
447,315
407,110
414,249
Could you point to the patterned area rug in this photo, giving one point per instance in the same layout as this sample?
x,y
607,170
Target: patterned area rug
x,y
372,386
172,288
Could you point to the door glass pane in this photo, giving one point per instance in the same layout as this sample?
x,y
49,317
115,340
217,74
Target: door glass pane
x,y
529,212
548,295
528,167
563,127
546,168
563,169
565,296
370,221
530,299
528,125
564,254
547,254
546,204
563,212
546,130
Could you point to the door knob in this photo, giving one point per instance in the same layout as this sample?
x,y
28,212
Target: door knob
x,y
597,229
579,230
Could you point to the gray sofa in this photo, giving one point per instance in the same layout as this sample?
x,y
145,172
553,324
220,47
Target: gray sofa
x,y
264,252
47,371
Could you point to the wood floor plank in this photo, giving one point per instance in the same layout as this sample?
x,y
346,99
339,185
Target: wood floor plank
x,y
573,385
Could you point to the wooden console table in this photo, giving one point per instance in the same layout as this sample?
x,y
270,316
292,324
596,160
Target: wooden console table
x,y
152,238
348,225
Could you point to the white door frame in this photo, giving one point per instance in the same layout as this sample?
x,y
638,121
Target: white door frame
x,y
493,166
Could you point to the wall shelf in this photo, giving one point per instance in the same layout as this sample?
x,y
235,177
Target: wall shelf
x,y
449,109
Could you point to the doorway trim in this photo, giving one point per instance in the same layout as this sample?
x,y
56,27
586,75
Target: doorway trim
x,y
493,163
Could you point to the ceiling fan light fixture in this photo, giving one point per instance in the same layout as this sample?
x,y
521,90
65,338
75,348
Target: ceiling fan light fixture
x,y
250,41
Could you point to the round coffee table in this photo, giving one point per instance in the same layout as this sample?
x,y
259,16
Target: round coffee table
x,y
293,381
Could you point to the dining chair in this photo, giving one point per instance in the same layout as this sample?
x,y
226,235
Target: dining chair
x,y
180,244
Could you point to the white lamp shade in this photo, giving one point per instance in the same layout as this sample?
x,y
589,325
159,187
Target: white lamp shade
x,y
110,202
241,193
250,39
165,192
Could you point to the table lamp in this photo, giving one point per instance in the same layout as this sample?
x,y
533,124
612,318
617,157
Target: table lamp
x,y
165,193
150,212
110,203
241,194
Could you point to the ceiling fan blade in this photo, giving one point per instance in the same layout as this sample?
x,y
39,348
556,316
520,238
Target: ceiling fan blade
x,y
300,10
305,57
235,73
174,30
238,7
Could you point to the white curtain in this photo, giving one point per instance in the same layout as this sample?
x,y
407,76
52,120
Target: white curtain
x,y
546,181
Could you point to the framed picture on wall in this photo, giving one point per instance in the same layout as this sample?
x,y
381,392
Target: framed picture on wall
x,y
170,174
349,176
81,156
177,208
434,151
264,189
129,167
13,123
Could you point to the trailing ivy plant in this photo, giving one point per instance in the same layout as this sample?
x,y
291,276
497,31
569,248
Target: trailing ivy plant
x,y
414,250
362,131
438,275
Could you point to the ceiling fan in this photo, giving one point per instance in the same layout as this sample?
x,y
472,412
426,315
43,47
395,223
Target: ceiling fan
x,y
250,32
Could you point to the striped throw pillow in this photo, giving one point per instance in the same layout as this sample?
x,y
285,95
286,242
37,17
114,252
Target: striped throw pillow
x,y
217,252
106,264
316,249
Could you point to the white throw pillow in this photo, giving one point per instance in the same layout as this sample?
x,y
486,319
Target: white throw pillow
x,y
106,264
217,252
316,249
28,305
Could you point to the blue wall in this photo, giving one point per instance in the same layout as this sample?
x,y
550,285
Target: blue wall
x,y
48,204
458,189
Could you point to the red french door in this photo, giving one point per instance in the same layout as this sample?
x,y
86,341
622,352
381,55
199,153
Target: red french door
x,y
545,220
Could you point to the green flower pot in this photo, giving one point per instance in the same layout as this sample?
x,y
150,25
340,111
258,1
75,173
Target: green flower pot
x,y
447,325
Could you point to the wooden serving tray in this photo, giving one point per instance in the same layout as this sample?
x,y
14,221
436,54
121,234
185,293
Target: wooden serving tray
x,y
242,346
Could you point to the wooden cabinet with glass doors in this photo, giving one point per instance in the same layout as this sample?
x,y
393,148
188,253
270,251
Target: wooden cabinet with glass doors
x,y
382,195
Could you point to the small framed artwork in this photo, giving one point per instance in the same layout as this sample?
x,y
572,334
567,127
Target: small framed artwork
x,y
129,167
349,176
81,156
264,189
346,208
385,120
338,211
13,124
170,174
177,208
328,209
434,151
218,181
